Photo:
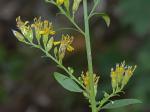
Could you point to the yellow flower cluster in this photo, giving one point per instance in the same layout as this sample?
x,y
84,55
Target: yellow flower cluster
x,y
43,27
40,27
85,80
43,30
121,75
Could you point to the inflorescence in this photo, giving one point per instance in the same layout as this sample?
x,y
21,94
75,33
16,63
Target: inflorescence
x,y
41,33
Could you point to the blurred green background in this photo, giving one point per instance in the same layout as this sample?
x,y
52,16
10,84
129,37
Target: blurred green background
x,y
26,81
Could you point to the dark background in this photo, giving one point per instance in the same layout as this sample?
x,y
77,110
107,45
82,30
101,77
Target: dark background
x,y
26,80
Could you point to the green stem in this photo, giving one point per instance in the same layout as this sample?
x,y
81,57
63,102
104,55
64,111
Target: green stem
x,y
68,16
61,29
64,68
56,61
106,99
71,20
89,57
94,7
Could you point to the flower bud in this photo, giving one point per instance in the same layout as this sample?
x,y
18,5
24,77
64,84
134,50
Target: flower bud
x,y
19,36
59,2
121,75
67,4
76,4
55,52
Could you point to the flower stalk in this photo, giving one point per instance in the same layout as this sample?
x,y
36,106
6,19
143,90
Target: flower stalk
x,y
89,56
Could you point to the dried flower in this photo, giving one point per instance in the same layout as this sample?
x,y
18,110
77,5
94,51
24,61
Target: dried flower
x,y
25,28
65,44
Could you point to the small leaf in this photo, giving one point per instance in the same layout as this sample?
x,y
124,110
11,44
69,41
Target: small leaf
x,y
104,16
67,82
121,103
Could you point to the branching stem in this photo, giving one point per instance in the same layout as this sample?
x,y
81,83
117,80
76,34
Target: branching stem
x,y
89,57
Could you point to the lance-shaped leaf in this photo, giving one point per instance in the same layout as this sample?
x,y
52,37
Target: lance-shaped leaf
x,y
67,82
121,103
104,16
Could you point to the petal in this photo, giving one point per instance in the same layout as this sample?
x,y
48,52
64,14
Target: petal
x,y
56,43
51,32
70,48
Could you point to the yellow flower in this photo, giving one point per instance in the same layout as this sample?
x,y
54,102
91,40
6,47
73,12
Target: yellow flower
x,y
43,27
86,79
65,44
37,25
121,75
60,2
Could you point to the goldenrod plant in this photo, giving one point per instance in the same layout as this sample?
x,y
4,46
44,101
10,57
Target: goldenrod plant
x,y
41,34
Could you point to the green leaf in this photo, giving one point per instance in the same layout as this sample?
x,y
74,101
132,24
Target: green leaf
x,y
121,103
104,16
67,82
